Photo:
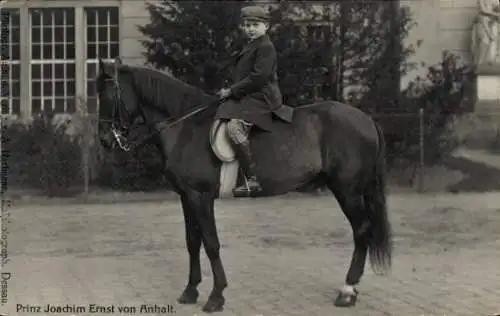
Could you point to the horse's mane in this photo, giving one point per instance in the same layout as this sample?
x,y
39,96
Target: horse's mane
x,y
164,90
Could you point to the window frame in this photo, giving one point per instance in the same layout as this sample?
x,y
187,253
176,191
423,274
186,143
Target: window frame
x,y
53,60
94,61
80,26
11,80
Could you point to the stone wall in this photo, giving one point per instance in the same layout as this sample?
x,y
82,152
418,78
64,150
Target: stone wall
x,y
441,25
134,13
456,17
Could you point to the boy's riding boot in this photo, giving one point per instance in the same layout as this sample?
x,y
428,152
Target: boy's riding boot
x,y
251,186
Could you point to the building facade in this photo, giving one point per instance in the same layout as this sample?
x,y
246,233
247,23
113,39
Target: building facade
x,y
440,25
50,48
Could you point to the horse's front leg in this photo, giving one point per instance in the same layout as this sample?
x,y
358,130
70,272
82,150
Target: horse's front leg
x,y
203,204
193,242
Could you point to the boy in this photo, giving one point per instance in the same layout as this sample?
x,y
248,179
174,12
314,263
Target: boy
x,y
254,95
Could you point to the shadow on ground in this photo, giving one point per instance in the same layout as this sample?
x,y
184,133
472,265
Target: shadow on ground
x,y
479,177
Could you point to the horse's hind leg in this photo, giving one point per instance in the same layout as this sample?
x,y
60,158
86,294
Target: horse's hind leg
x,y
193,243
352,205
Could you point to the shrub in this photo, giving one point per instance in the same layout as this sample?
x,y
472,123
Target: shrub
x,y
441,95
138,170
141,169
42,155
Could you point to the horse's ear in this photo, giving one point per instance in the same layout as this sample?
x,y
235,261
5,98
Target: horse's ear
x,y
102,68
117,64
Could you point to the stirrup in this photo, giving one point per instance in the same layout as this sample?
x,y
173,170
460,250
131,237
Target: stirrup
x,y
247,190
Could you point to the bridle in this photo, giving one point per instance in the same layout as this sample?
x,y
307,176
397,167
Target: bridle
x,y
118,129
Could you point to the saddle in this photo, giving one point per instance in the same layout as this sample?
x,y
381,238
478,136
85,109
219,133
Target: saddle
x,y
221,145
223,150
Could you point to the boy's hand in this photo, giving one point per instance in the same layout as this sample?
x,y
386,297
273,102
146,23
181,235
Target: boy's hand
x,y
224,93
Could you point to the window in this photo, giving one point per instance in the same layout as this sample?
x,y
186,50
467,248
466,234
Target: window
x,y
102,35
10,66
52,62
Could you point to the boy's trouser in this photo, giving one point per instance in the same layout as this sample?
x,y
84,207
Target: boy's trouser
x,y
238,130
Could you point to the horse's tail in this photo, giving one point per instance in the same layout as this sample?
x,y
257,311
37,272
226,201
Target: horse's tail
x,y
380,234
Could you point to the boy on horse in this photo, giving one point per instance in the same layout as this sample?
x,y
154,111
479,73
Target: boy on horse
x,y
255,93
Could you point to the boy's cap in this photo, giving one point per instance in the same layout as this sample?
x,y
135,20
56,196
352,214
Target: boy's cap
x,y
254,13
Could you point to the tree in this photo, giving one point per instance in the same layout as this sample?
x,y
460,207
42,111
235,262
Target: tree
x,y
188,36
326,45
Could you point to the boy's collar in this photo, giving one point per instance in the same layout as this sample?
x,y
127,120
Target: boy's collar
x,y
259,38
254,42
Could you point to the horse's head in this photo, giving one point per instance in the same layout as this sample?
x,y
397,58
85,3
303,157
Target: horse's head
x,y
118,103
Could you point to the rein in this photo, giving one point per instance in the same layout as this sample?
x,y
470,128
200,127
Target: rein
x,y
158,129
122,140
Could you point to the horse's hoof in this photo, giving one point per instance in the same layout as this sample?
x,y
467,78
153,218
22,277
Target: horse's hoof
x,y
346,300
214,305
189,296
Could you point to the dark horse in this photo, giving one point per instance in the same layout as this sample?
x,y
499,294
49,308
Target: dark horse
x,y
327,144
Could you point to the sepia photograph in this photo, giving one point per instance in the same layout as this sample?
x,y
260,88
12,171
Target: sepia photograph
x,y
250,158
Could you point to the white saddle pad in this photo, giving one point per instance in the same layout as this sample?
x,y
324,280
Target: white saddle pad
x,y
221,145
